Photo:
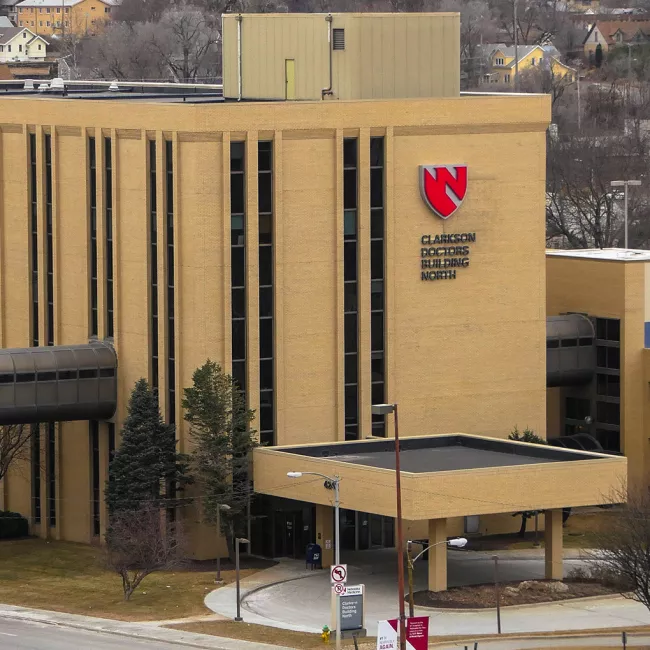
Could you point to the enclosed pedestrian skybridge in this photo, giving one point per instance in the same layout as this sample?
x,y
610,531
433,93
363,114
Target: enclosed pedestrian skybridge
x,y
58,383
570,350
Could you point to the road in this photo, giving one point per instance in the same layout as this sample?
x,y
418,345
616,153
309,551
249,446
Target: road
x,y
21,635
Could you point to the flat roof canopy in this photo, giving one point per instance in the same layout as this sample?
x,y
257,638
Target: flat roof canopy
x,y
442,476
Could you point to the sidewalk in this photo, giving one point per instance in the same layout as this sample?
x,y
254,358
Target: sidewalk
x,y
223,601
149,631
274,596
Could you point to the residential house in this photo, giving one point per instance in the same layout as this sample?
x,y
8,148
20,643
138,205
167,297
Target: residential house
x,y
502,67
19,43
582,5
8,9
611,33
49,17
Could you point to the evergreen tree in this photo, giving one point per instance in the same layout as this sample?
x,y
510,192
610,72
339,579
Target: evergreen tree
x,y
223,441
599,55
146,468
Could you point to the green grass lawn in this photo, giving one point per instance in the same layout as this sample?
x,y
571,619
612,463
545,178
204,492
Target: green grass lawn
x,y
68,577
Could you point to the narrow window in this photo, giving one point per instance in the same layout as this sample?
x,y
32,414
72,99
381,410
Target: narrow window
x,y
36,473
265,204
111,442
108,190
33,193
377,278
351,287
94,447
92,172
49,246
51,474
153,235
238,261
171,356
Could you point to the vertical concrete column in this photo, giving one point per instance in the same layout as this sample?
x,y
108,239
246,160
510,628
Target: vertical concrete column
x,y
553,545
325,533
438,555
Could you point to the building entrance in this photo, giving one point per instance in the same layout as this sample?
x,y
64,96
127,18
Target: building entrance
x,y
361,531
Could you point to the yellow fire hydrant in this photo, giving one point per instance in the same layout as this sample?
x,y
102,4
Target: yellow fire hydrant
x,y
325,634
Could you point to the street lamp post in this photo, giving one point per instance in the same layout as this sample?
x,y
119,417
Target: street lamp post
x,y
334,481
238,541
225,507
385,409
625,184
458,542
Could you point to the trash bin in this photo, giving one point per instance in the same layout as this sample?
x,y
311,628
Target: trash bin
x,y
314,556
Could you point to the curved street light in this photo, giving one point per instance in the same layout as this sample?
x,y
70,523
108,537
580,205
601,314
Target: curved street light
x,y
334,480
458,542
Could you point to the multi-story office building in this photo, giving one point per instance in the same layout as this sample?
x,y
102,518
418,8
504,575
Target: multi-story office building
x,y
351,243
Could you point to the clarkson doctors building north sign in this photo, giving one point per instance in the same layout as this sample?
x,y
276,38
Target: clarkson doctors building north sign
x,y
443,189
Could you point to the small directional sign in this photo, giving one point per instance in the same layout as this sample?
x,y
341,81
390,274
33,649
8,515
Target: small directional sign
x,y
339,589
339,574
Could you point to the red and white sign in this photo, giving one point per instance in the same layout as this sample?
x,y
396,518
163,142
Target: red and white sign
x,y
417,634
352,590
339,573
443,187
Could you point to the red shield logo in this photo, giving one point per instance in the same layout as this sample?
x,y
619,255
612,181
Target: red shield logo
x,y
443,187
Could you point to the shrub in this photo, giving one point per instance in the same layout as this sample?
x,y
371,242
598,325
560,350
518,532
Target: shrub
x,y
12,525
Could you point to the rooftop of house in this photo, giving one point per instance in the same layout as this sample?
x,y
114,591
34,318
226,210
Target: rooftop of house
x,y
630,29
608,254
522,51
9,33
58,3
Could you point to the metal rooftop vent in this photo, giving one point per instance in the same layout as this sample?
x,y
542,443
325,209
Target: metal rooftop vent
x,y
338,39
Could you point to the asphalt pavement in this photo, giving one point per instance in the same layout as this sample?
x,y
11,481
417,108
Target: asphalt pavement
x,y
290,589
22,635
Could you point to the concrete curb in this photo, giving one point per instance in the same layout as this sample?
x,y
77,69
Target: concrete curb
x,y
474,610
148,633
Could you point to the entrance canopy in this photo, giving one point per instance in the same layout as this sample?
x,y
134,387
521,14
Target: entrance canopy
x,y
442,476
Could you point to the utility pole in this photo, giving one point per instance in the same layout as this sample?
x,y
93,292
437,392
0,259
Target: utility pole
x,y
625,184
514,26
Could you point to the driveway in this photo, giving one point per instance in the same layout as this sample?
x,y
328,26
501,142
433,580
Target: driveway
x,y
296,591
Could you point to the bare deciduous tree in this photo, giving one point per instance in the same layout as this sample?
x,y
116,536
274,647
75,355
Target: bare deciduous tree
x,y
186,39
582,209
139,542
15,445
621,548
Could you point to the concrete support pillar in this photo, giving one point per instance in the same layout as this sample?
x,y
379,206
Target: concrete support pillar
x,y
325,533
554,569
438,555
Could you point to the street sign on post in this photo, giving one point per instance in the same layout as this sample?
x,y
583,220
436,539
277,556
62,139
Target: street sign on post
x,y
351,611
339,574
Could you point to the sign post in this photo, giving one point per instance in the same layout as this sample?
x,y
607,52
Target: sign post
x,y
351,611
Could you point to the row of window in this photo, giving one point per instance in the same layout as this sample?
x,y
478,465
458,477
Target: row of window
x,y
265,209
47,10
351,286
377,277
25,23
53,375
599,412
171,326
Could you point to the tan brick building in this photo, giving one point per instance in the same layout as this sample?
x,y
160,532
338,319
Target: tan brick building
x,y
304,245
